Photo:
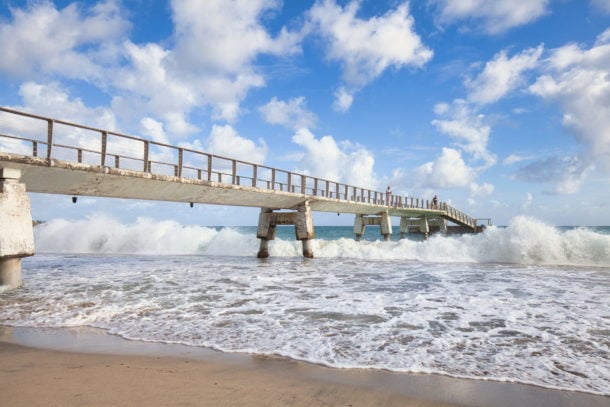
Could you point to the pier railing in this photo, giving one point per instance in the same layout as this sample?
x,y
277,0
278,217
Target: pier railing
x,y
58,139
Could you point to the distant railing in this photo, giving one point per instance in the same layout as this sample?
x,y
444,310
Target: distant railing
x,y
113,149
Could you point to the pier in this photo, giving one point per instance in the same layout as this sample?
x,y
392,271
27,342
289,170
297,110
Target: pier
x,y
46,155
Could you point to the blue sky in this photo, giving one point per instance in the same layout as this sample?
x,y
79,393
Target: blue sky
x,y
501,107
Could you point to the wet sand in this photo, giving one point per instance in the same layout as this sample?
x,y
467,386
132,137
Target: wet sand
x,y
85,367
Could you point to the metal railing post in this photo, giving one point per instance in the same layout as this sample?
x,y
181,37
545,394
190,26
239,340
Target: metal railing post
x,y
254,175
180,161
104,147
49,137
273,179
146,152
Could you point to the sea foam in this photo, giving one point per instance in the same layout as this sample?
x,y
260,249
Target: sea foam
x,y
524,241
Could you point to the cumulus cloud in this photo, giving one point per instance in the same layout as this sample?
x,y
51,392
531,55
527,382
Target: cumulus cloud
x,y
226,142
366,48
70,42
343,100
502,75
447,171
566,173
481,190
53,100
492,17
460,122
210,62
577,80
344,162
218,43
292,113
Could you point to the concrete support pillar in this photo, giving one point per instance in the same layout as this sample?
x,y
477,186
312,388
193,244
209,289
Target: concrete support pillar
x,y
404,226
359,227
16,231
386,226
383,220
303,225
423,226
443,225
10,272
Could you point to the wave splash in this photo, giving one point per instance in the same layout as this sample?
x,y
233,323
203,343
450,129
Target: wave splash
x,y
524,241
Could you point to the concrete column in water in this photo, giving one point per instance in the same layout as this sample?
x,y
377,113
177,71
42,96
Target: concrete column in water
x,y
404,226
16,231
383,220
303,225
386,226
424,227
265,232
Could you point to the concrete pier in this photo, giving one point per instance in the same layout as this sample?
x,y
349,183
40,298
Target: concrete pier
x,y
404,226
303,227
16,230
424,227
382,220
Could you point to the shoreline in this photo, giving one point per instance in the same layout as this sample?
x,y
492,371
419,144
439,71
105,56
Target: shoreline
x,y
64,363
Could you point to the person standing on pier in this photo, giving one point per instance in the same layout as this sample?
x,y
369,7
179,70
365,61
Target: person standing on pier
x,y
435,202
388,195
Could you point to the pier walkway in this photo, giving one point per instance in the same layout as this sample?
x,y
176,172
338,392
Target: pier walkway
x,y
54,156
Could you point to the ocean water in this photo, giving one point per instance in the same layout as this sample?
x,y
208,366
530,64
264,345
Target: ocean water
x,y
525,303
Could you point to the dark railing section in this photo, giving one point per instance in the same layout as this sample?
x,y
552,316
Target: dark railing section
x,y
83,144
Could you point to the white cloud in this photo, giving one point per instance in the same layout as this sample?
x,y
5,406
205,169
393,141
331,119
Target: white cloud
x,y
566,173
468,127
602,5
217,43
447,171
343,100
211,60
292,114
577,80
67,42
501,75
481,190
366,48
53,100
513,158
344,162
153,129
493,17
226,142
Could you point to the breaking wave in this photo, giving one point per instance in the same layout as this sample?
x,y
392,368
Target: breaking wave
x,y
524,241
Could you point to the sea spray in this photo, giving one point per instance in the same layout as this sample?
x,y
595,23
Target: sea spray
x,y
523,241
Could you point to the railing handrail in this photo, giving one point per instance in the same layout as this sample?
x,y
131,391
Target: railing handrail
x,y
294,182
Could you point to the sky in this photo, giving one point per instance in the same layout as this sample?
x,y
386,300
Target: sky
x,y
499,107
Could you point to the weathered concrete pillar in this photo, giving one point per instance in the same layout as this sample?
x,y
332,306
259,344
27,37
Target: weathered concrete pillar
x,y
424,227
304,228
265,232
443,225
359,227
303,225
383,220
386,226
16,231
404,226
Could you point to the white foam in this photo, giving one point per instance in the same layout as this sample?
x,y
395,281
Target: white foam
x,y
536,324
524,241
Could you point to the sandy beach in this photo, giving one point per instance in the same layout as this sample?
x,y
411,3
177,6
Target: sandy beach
x,y
101,370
